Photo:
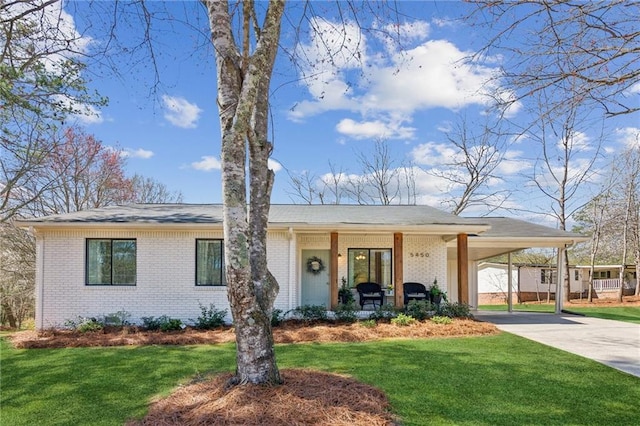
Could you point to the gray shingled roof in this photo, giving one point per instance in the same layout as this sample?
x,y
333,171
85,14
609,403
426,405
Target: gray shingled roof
x,y
279,214
505,227
400,218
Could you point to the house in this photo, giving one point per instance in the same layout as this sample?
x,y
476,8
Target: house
x,y
167,259
538,282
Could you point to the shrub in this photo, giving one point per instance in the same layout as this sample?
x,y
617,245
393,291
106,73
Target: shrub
x,y
344,294
277,316
210,317
455,310
368,323
346,312
403,320
385,313
84,324
163,323
441,320
421,309
151,323
118,319
311,313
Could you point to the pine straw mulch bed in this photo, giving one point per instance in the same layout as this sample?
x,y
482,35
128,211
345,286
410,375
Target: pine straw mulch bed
x,y
288,332
306,397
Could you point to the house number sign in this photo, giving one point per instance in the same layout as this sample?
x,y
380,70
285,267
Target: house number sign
x,y
419,254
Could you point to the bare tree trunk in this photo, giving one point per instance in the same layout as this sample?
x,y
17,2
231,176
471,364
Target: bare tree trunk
x,y
243,84
633,161
637,262
599,206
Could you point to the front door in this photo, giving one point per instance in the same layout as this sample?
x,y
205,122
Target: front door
x,y
315,278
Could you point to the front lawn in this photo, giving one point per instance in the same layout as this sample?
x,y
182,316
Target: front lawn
x,y
521,307
618,313
500,379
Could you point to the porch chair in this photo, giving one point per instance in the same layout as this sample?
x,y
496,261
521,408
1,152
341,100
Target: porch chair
x,y
370,292
414,291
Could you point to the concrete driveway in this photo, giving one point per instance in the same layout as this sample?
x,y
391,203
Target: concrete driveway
x,y
613,343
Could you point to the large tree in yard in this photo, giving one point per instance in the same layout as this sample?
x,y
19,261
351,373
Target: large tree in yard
x,y
243,76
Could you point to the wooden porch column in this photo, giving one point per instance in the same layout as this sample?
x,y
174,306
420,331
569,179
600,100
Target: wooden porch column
x,y
333,270
463,269
398,269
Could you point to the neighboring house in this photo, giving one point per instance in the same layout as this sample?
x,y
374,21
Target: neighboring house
x,y
606,279
167,259
538,282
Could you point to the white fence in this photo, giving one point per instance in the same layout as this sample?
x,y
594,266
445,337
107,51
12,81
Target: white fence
x,y
610,284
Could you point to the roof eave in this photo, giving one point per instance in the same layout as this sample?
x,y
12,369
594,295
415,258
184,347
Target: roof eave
x,y
429,229
543,241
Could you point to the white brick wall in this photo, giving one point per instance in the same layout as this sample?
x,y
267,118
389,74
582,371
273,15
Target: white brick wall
x,y
425,259
165,277
166,271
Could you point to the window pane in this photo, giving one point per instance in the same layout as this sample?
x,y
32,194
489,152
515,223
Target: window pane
x,y
370,265
209,262
380,265
124,262
98,261
358,266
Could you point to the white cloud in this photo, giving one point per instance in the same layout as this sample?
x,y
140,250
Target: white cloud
x,y
433,154
374,129
629,136
207,164
513,163
416,30
52,40
579,141
83,113
274,165
633,90
53,36
387,89
180,112
136,153
436,76
395,35
444,22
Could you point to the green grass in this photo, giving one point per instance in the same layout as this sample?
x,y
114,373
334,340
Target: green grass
x,y
523,307
627,314
496,380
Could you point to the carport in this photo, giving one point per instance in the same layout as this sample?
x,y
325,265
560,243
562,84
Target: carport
x,y
505,236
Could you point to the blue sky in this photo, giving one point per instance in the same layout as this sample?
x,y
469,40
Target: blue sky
x,y
409,96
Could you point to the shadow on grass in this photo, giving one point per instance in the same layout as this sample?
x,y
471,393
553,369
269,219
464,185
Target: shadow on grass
x,y
489,381
617,314
501,379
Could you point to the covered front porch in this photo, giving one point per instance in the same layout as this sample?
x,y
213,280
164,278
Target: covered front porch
x,y
412,258
398,256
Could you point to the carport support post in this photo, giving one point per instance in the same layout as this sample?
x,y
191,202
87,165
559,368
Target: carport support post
x,y
509,284
333,271
463,269
398,268
560,280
